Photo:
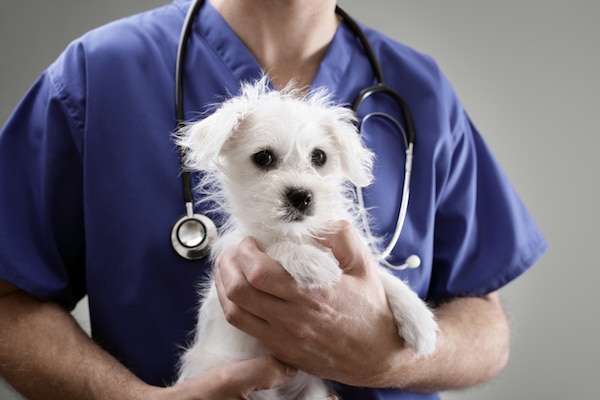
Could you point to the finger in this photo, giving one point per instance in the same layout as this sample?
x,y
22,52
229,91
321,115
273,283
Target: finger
x,y
249,265
230,300
256,312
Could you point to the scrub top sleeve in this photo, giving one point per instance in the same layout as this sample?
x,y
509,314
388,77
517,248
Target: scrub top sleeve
x,y
41,235
484,236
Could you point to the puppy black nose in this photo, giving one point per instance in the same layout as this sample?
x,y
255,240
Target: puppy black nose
x,y
300,199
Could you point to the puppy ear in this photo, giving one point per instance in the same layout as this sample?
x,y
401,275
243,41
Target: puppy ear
x,y
202,141
355,158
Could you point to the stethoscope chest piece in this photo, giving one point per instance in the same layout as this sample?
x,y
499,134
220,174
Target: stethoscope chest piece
x,y
193,235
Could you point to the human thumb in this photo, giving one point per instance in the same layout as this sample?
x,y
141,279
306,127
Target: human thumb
x,y
348,248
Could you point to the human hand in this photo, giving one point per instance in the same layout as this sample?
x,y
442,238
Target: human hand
x,y
344,333
234,381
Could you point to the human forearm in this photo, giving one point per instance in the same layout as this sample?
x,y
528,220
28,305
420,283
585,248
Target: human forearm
x,y
45,355
473,347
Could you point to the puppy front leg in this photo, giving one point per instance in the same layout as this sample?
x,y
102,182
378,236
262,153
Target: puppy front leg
x,y
309,265
416,323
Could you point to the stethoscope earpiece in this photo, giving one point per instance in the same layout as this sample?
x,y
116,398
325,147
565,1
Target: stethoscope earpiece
x,y
412,262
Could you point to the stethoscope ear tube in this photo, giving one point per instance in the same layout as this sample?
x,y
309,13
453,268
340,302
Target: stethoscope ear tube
x,y
381,88
409,138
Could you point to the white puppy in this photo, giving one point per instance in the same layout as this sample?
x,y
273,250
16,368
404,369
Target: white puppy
x,y
280,165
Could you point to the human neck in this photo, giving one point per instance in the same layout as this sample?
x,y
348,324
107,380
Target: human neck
x,y
287,37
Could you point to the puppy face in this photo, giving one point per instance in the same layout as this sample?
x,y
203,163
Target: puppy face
x,y
284,173
283,161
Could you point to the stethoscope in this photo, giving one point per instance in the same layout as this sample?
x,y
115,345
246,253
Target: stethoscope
x,y
193,234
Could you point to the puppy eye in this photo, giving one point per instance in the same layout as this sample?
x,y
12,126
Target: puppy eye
x,y
263,158
319,158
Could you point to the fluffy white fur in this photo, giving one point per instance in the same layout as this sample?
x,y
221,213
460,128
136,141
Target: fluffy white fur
x,y
280,165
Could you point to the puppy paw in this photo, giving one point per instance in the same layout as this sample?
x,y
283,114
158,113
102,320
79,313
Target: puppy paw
x,y
419,330
309,265
416,322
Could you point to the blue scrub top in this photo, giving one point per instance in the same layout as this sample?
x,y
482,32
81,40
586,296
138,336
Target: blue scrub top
x,y
91,185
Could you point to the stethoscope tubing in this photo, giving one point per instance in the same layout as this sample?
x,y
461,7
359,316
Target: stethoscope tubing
x,y
403,201
193,253
188,196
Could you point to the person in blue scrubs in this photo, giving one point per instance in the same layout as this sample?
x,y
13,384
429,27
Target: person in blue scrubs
x,y
91,188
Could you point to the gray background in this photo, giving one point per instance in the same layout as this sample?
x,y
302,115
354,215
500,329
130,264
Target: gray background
x,y
527,72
